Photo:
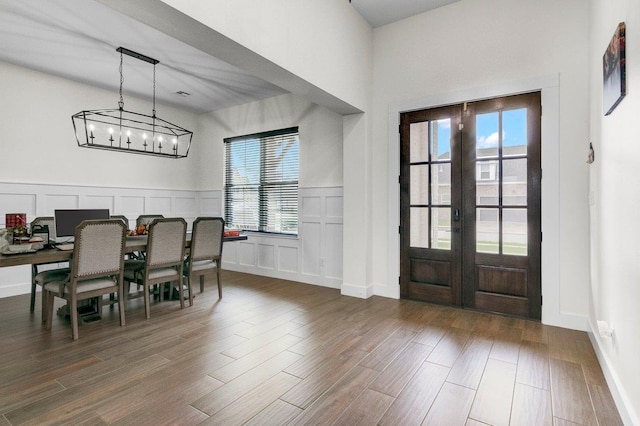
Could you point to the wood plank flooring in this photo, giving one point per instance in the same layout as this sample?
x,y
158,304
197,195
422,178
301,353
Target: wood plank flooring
x,y
275,352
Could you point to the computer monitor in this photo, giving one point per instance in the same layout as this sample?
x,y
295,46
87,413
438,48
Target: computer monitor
x,y
67,220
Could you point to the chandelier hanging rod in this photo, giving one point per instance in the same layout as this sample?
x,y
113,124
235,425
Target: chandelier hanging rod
x,y
137,55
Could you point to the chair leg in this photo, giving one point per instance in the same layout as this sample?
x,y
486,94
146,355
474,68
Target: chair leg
x,y
121,304
43,305
32,304
180,293
147,303
73,312
219,283
201,283
188,280
99,305
49,298
33,296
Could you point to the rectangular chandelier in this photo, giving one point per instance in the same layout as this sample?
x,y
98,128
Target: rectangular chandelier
x,y
127,131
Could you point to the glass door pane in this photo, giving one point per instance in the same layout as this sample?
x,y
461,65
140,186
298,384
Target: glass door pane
x,y
430,184
501,182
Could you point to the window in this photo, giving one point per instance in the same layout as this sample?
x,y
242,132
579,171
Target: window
x,y
486,170
261,181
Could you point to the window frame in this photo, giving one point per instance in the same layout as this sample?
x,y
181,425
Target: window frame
x,y
266,182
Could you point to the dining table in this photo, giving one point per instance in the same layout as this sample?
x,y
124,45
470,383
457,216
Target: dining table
x,y
134,243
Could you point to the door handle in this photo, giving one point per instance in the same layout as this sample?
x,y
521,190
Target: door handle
x,y
456,215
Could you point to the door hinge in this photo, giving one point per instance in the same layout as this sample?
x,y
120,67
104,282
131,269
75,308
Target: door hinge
x,y
460,126
399,226
399,179
398,280
399,128
540,236
540,300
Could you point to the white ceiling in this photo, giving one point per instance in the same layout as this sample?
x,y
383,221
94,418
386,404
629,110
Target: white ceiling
x,y
382,12
77,39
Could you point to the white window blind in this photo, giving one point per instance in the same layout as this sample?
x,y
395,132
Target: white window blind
x,y
261,181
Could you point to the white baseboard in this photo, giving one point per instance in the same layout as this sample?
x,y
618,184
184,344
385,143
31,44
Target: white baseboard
x,y
571,321
620,397
15,290
292,276
356,291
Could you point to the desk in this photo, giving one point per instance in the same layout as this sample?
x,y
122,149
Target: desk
x,y
134,243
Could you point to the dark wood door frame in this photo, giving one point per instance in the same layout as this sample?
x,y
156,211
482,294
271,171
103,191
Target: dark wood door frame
x,y
488,281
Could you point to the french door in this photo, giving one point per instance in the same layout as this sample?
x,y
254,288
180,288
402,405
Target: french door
x,y
470,228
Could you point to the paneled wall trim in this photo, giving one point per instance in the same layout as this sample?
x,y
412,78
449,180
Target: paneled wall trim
x,y
314,257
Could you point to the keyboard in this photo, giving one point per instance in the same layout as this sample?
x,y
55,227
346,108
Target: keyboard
x,y
65,247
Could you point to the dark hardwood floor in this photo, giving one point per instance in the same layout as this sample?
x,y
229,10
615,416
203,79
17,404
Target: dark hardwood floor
x,y
275,352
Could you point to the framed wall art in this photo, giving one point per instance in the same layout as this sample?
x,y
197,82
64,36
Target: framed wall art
x,y
613,70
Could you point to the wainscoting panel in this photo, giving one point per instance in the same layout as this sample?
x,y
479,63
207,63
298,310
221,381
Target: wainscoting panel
x,y
41,200
333,258
311,248
314,256
266,257
246,254
159,204
129,205
17,203
287,259
56,201
211,203
99,202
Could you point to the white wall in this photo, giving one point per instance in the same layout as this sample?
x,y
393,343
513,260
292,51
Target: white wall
x,y
38,142
487,43
320,138
326,43
614,178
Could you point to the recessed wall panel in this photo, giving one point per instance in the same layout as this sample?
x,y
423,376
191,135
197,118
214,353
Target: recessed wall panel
x,y
265,256
246,254
185,206
311,248
132,207
230,252
160,205
211,206
311,207
99,202
334,207
288,259
60,201
333,251
18,203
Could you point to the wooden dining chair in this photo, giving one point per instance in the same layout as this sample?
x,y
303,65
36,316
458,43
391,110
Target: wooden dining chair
x,y
164,259
206,252
38,275
122,218
96,269
146,219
